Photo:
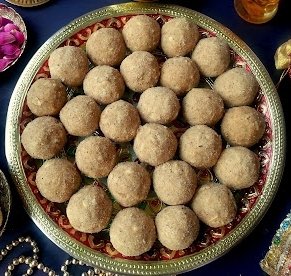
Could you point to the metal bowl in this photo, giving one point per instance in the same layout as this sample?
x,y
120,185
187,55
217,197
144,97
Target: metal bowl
x,y
12,15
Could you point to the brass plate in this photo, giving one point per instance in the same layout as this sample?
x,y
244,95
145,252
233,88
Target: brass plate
x,y
136,267
27,3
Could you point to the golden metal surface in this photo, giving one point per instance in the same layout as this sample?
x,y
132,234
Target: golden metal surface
x,y
120,266
27,3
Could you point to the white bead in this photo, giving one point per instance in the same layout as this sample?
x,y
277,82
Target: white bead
x,y
1,257
21,239
29,271
7,273
21,259
40,266
66,274
35,257
84,274
10,267
15,262
33,243
81,263
67,262
3,252
35,250
28,239
74,261
51,273
9,246
33,263
63,268
90,272
45,269
15,243
28,260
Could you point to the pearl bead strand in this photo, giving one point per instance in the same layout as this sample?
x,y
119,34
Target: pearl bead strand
x,y
33,264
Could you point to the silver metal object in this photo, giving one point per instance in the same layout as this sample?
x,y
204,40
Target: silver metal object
x,y
5,201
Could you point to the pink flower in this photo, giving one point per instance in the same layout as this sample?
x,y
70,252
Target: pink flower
x,y
4,63
11,40
19,36
4,21
6,38
9,27
10,50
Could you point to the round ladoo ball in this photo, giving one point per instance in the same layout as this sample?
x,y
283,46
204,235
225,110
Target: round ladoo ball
x,y
200,146
129,183
202,106
44,137
237,87
214,205
57,179
174,182
141,33
158,105
140,71
237,168
243,126
212,56
80,116
155,144
179,74
106,46
177,227
132,232
96,156
89,210
179,36
104,84
120,121
69,64
46,97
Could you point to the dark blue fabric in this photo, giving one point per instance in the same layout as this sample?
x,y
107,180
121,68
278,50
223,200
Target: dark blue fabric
x,y
44,21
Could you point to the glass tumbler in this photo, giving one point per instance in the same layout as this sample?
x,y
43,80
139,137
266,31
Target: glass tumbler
x,y
256,11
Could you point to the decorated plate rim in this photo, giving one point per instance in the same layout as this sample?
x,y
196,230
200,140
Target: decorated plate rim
x,y
27,4
74,247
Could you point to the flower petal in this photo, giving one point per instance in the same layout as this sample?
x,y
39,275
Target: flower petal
x,y
19,36
4,21
6,38
4,63
9,49
9,27
14,56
